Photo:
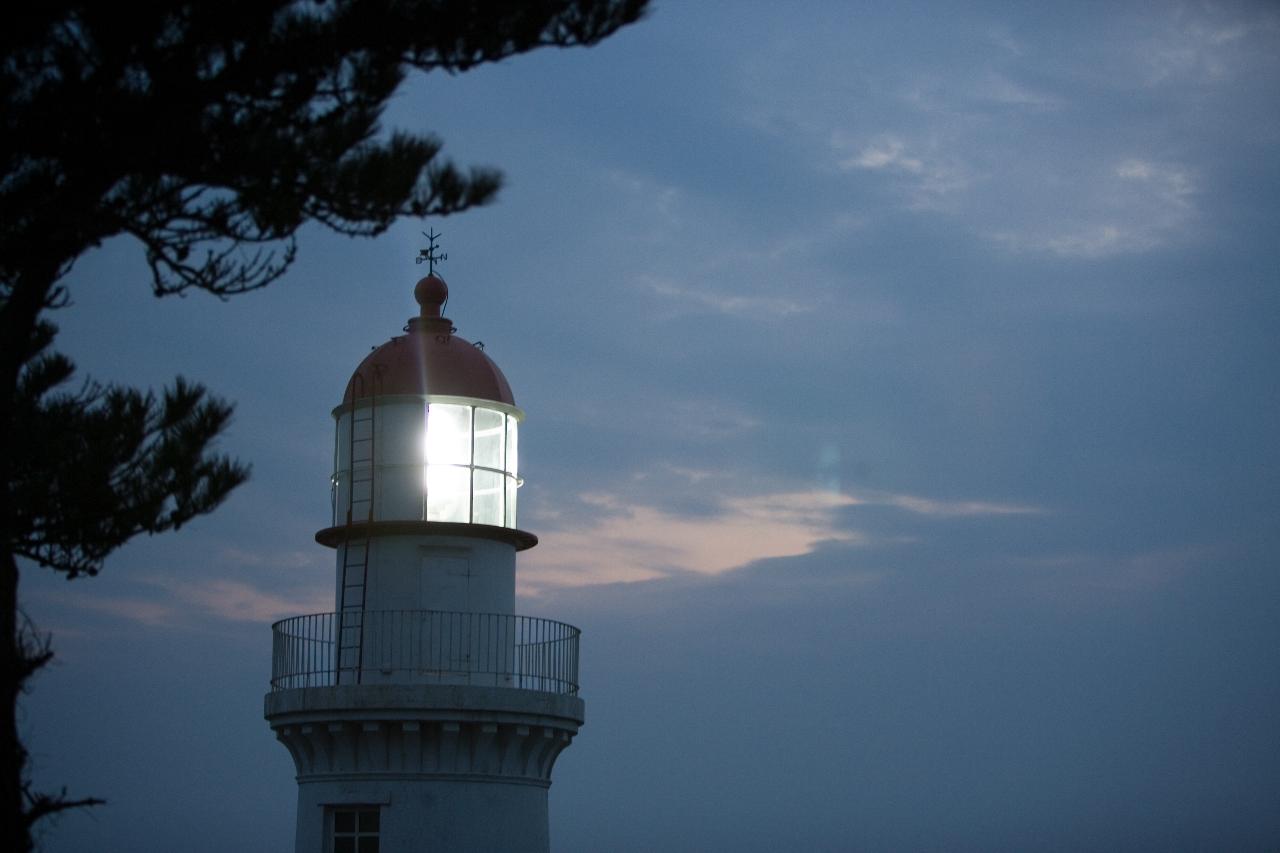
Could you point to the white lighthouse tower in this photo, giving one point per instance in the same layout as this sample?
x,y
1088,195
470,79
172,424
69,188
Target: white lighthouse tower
x,y
423,714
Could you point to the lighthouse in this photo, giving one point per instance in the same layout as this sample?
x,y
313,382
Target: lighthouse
x,y
423,713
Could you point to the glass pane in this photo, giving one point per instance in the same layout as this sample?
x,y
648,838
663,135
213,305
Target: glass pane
x,y
369,845
346,844
486,506
512,444
344,821
511,502
448,434
368,820
490,433
448,493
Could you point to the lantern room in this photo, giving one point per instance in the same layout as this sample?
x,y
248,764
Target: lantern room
x,y
428,430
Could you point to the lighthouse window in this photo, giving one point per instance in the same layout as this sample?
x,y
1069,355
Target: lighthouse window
x,y
510,518
486,498
430,460
448,434
490,434
511,445
355,830
448,495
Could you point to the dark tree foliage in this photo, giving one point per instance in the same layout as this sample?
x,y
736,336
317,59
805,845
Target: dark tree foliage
x,y
210,132
112,463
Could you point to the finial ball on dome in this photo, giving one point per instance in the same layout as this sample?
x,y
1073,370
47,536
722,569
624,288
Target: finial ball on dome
x,y
431,293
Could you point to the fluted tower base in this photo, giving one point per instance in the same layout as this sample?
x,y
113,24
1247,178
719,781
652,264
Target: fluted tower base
x,y
443,768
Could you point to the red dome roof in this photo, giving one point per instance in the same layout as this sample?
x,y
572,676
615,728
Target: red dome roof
x,y
429,359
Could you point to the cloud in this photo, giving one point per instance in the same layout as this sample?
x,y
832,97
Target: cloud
x,y
889,153
1134,205
150,612
926,178
1063,206
629,541
634,542
739,304
952,509
1002,38
1169,185
999,89
1207,44
655,200
1086,580
278,559
764,277
237,601
171,602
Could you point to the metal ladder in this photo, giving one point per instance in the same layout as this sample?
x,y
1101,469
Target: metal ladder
x,y
355,549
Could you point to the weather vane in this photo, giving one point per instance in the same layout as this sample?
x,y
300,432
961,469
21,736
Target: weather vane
x,y
429,254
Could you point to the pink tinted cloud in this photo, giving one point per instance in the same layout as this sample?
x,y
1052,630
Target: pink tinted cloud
x,y
237,601
635,542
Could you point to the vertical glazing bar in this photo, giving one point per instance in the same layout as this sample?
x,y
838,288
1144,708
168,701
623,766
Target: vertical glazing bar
x,y
471,469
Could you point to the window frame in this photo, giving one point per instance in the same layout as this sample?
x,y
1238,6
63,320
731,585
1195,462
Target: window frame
x,y
358,833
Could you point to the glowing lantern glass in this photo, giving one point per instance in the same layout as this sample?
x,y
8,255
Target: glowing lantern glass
x,y
469,464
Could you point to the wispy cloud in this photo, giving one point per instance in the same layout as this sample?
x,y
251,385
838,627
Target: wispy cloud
x,y
950,509
629,541
1135,205
999,89
635,542
161,601
766,277
1103,580
928,178
998,141
152,612
703,418
1002,38
1205,43
658,201
295,559
713,299
237,601
889,153
1169,185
